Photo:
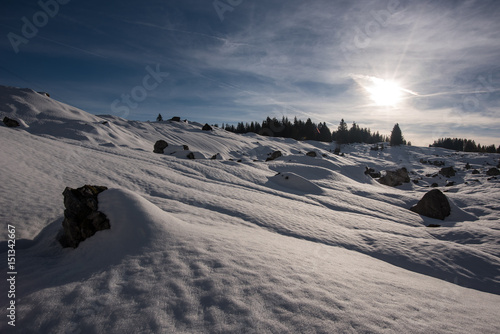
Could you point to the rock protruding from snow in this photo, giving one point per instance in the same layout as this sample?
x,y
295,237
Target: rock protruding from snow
x,y
10,123
207,127
312,154
493,172
274,155
395,178
434,204
81,217
447,172
372,172
160,146
175,119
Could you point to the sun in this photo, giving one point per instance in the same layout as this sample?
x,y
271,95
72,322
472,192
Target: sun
x,y
384,92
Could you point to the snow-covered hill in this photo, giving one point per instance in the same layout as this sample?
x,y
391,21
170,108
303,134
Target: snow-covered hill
x,y
237,244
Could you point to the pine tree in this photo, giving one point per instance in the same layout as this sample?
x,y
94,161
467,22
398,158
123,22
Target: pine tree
x,y
342,133
159,118
396,136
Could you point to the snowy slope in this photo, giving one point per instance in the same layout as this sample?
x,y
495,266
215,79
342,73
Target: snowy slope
x,y
298,244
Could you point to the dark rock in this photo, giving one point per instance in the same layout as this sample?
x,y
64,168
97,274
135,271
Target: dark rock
x,y
185,147
370,171
422,161
81,217
337,151
475,172
190,156
467,166
434,204
415,181
324,155
175,119
434,185
44,93
450,184
274,155
447,172
374,148
438,163
10,123
160,146
312,154
105,123
395,178
493,172
433,225
207,127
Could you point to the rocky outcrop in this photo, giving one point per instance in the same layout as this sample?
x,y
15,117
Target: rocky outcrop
x,y
10,123
475,172
185,147
175,119
207,127
274,155
81,217
447,172
493,172
395,178
434,204
160,146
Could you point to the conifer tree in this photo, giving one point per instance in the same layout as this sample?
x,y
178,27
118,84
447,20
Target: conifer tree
x,y
159,118
397,136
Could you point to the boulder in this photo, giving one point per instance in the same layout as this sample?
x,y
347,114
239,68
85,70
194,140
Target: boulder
x,y
434,204
395,178
207,127
175,119
312,154
191,156
493,172
10,123
370,171
434,185
81,217
274,155
447,171
185,147
475,172
160,146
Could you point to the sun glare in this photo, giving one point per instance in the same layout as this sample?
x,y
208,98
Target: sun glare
x,y
384,93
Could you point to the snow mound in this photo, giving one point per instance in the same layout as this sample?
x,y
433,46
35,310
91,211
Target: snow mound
x,y
33,108
295,182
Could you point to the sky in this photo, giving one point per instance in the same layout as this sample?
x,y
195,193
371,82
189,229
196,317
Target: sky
x,y
431,66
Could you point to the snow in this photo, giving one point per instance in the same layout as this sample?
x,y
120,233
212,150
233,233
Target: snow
x,y
237,244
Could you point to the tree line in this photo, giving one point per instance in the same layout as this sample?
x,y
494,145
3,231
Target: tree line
x,y
309,130
464,145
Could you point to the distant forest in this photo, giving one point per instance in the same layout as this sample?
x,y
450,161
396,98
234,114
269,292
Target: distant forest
x,y
308,130
465,145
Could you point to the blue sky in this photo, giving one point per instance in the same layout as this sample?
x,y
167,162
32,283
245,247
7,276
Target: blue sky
x,y
246,60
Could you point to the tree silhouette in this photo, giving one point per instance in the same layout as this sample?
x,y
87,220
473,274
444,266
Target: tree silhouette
x,y
159,118
397,136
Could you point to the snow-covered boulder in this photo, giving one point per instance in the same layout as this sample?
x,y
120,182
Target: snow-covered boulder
x,y
160,146
493,172
81,217
434,204
274,155
447,172
395,178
